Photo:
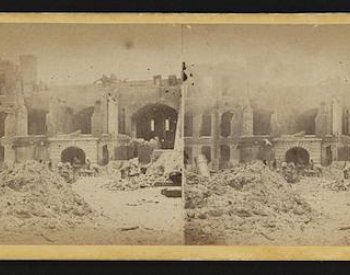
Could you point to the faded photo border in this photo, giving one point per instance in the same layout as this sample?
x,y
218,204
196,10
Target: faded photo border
x,y
113,252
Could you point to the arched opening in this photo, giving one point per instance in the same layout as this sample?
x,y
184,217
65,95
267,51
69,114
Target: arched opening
x,y
298,155
225,155
37,122
206,151
2,123
226,119
329,156
305,122
225,152
82,120
105,155
2,154
156,120
206,125
73,155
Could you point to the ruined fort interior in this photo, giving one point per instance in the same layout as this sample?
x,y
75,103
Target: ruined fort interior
x,y
266,134
52,124
90,134
232,123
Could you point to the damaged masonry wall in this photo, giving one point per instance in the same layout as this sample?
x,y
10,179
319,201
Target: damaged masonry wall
x,y
246,120
42,123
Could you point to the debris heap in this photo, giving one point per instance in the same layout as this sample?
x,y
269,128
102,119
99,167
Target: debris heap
x,y
334,179
31,194
248,198
132,175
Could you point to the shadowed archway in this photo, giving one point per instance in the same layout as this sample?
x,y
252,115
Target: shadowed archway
x,y
156,120
298,155
73,153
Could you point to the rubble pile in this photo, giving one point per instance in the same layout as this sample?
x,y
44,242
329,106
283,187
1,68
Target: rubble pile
x,y
247,198
334,179
132,175
31,194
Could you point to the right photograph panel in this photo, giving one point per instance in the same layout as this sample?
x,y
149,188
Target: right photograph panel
x,y
267,134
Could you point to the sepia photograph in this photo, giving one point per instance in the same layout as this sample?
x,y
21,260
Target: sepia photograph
x,y
90,133
266,133
157,136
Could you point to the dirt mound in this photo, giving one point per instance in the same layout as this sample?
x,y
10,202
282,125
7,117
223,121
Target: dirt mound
x,y
248,198
32,194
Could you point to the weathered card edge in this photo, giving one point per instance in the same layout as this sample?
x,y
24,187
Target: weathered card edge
x,y
114,252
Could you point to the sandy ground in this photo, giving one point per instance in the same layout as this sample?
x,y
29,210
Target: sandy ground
x,y
334,207
331,212
142,216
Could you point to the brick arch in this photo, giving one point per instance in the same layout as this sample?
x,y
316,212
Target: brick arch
x,y
138,107
162,118
138,111
298,154
313,147
297,145
71,152
58,145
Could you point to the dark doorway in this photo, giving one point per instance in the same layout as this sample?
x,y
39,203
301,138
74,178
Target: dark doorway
x,y
2,123
329,155
298,155
157,120
2,154
73,153
105,155
226,119
206,151
206,125
225,155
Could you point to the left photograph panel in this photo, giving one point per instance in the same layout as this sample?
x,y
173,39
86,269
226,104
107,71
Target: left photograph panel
x,y
91,148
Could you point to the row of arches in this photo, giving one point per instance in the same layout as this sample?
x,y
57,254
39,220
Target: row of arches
x,y
296,155
37,121
152,120
262,125
229,124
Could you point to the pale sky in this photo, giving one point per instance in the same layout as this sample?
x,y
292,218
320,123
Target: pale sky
x,y
279,55
275,54
80,53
